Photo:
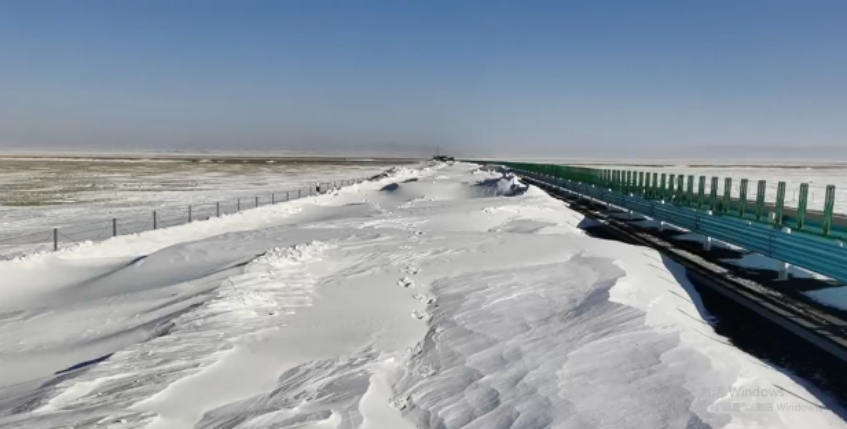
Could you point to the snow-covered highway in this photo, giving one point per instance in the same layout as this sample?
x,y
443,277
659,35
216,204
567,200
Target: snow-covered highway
x,y
436,297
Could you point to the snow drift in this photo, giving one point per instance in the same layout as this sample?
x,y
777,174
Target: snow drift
x,y
440,297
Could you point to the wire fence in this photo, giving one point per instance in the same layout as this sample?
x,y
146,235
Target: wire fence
x,y
14,245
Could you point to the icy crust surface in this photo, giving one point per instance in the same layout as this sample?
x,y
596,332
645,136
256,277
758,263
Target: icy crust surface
x,y
435,297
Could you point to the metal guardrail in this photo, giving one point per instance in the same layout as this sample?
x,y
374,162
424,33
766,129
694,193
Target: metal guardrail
x,y
814,252
16,245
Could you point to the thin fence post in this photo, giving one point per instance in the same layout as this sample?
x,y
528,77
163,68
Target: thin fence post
x,y
273,199
727,195
742,197
760,199
287,195
257,201
55,239
802,205
218,209
828,209
155,220
669,194
114,227
189,214
713,195
780,202
689,200
238,205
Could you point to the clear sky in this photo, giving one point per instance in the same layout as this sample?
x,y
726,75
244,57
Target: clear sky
x,y
624,79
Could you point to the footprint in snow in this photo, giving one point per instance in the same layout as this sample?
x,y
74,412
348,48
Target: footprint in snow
x,y
420,315
400,403
424,299
406,282
417,350
426,371
411,270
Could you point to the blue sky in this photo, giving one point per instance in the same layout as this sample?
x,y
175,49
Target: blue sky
x,y
625,79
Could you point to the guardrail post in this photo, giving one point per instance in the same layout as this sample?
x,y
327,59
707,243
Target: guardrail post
x,y
641,183
287,195
238,205
189,214
218,209
727,195
828,209
802,205
114,227
155,220
760,199
55,239
780,203
299,193
663,185
257,201
742,197
701,193
273,199
680,188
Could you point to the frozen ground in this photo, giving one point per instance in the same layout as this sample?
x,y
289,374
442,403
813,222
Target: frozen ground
x,y
817,176
440,297
37,195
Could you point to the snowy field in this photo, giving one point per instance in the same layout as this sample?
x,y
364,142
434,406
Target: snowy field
x,y
817,176
438,297
37,195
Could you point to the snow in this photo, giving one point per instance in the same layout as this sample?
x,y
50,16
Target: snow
x,y
758,261
462,299
833,297
83,196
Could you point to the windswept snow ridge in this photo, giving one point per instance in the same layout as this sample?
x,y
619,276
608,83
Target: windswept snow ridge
x,y
438,297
